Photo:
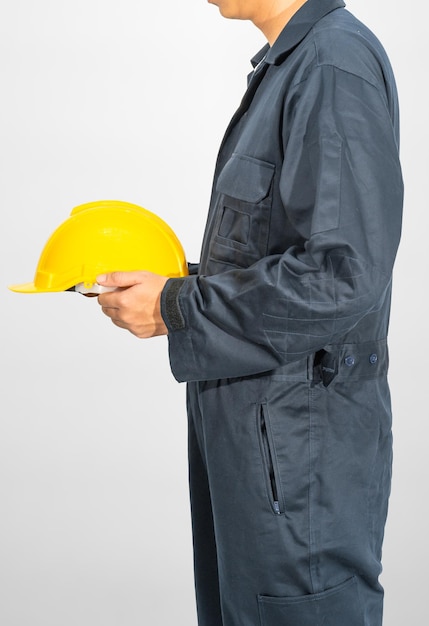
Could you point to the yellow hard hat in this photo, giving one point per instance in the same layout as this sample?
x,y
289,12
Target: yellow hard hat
x,y
102,237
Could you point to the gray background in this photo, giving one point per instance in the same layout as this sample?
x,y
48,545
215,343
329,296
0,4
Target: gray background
x,y
129,101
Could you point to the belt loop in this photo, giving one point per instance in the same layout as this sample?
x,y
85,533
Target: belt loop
x,y
310,366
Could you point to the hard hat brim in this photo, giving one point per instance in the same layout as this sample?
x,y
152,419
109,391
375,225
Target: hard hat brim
x,y
24,288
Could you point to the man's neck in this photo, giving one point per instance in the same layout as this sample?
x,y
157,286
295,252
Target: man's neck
x,y
273,25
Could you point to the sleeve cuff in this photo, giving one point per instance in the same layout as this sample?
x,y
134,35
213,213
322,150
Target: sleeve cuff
x,y
170,306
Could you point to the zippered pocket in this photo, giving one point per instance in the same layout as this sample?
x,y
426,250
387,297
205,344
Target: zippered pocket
x,y
268,458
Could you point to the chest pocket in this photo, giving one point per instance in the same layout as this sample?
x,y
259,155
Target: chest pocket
x,y
242,220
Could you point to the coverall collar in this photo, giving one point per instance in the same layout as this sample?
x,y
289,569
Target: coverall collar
x,y
295,30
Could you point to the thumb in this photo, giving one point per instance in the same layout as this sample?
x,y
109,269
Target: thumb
x,y
119,279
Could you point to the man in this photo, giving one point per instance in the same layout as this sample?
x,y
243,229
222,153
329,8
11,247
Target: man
x,y
281,332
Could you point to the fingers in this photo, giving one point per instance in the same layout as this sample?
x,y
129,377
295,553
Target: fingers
x,y
134,305
120,279
115,300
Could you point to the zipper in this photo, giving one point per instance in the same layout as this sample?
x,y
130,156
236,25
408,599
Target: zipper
x,y
268,462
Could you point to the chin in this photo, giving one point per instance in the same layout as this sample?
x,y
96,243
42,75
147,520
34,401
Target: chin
x,y
226,8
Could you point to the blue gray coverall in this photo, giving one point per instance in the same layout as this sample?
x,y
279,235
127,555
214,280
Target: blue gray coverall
x,y
281,335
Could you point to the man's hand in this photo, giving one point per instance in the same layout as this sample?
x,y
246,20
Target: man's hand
x,y
135,305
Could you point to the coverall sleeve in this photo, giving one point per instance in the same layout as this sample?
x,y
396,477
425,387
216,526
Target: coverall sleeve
x,y
341,188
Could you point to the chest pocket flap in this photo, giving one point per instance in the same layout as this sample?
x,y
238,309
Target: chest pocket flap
x,y
246,178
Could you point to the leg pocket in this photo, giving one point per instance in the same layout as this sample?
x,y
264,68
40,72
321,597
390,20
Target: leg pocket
x,y
339,606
